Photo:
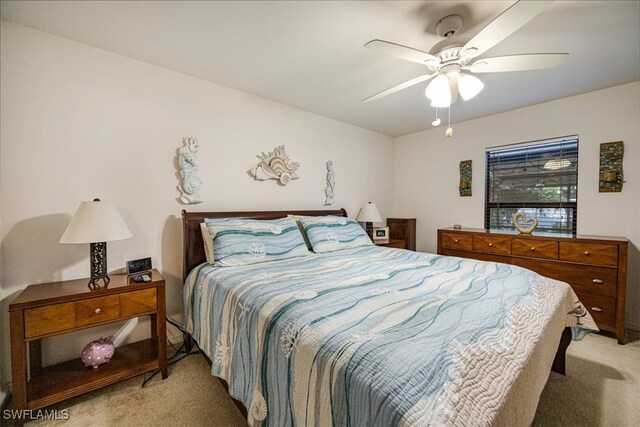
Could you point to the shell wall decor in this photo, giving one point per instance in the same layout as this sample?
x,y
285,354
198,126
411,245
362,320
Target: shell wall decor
x,y
329,189
611,177
465,178
187,160
275,165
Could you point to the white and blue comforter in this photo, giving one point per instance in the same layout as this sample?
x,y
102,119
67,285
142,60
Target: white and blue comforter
x,y
372,336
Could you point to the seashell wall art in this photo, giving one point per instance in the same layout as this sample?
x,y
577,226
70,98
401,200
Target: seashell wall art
x,y
330,187
275,165
188,162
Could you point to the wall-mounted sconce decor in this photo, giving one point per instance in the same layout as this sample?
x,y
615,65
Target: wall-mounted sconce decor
x,y
465,178
611,176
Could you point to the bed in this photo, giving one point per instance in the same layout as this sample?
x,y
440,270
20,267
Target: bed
x,y
372,336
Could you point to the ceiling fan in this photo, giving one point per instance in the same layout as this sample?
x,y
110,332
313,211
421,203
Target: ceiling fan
x,y
451,61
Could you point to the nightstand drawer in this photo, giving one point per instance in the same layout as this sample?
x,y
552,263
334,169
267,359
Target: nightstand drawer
x,y
535,248
462,242
49,319
97,310
138,302
589,253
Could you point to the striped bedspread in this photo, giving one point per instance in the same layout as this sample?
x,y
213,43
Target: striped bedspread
x,y
373,336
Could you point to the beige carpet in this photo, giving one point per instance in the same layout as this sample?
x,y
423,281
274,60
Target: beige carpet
x,y
602,388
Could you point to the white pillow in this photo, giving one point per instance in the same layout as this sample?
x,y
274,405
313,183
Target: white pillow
x,y
208,243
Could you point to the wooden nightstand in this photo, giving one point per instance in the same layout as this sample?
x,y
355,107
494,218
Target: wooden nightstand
x,y
57,308
393,243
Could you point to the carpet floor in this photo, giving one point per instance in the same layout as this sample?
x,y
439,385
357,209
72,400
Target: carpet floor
x,y
601,388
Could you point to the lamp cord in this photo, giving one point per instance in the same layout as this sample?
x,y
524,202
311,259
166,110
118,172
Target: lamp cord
x,y
174,357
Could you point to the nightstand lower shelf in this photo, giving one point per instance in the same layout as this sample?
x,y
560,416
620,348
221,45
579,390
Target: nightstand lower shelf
x,y
69,379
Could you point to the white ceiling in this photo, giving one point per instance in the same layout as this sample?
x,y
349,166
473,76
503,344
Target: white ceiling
x,y
310,54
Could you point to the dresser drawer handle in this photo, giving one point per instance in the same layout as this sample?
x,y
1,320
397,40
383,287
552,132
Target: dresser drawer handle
x,y
456,240
533,248
97,311
490,244
586,253
596,309
598,281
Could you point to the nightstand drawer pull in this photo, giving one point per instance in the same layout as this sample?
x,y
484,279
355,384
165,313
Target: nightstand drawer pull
x,y
586,253
533,248
490,244
596,309
598,281
97,311
456,241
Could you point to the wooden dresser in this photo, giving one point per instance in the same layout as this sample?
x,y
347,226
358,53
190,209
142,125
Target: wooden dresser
x,y
594,266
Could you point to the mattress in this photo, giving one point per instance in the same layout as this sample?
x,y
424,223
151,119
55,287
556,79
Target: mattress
x,y
374,336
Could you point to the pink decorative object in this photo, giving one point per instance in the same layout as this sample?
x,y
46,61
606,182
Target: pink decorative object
x,y
98,352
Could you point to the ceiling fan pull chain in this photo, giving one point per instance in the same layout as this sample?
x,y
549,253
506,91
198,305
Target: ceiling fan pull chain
x,y
449,132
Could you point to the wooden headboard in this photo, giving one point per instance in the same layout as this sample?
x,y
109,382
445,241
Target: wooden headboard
x,y
192,237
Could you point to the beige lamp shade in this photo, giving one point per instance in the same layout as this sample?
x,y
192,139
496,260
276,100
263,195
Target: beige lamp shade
x,y
369,213
96,221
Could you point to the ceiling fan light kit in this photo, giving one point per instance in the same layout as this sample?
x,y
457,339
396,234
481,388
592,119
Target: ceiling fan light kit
x,y
450,61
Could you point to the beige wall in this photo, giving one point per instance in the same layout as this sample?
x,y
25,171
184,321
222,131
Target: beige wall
x,y
426,169
79,122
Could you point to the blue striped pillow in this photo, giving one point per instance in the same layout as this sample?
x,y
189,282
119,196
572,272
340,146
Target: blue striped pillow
x,y
250,241
332,233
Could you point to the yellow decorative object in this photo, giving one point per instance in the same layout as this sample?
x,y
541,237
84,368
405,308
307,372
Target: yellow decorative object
x,y
523,228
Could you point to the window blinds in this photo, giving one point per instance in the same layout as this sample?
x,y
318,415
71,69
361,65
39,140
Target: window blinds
x,y
538,178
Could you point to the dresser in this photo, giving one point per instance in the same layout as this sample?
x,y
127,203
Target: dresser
x,y
594,266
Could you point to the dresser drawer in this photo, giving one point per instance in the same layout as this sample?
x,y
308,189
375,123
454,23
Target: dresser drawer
x,y
138,302
463,242
589,253
492,244
46,320
534,248
582,278
97,310
602,309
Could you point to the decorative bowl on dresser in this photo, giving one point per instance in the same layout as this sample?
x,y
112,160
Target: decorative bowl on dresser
x,y
594,266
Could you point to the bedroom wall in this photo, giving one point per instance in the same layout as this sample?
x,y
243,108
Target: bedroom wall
x,y
426,169
78,122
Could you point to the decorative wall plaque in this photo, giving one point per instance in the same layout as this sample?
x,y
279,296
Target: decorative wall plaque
x,y
188,162
465,178
611,176
329,189
275,165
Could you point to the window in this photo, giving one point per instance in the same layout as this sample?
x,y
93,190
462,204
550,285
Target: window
x,y
538,178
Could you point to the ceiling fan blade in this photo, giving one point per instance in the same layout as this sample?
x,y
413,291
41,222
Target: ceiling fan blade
x,y
532,61
402,52
503,26
399,87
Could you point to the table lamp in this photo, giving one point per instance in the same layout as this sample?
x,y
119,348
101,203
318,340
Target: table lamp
x,y
369,214
97,223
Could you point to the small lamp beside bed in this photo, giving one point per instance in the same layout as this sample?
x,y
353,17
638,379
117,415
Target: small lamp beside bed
x,y
369,214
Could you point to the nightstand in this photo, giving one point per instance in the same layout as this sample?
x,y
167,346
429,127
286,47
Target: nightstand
x,y
56,308
393,243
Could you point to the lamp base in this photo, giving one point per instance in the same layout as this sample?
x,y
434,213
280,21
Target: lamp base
x,y
369,229
98,259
